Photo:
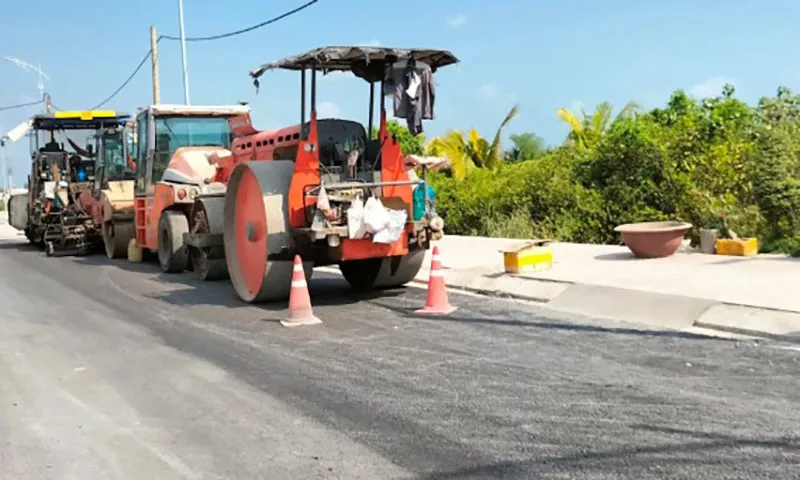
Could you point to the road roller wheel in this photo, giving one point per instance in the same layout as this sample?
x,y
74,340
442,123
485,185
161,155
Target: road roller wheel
x,y
376,273
116,237
207,269
207,216
259,248
172,255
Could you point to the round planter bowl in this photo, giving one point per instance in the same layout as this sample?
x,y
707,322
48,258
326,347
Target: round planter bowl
x,y
653,239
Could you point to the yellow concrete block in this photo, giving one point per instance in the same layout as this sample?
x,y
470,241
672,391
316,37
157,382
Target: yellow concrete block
x,y
528,257
740,248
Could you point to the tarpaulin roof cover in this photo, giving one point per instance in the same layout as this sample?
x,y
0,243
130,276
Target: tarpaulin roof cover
x,y
365,62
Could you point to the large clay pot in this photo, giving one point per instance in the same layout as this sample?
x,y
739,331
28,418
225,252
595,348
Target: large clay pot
x,y
653,239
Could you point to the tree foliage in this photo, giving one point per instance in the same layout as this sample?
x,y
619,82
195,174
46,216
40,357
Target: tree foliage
x,y
469,151
526,146
705,161
409,144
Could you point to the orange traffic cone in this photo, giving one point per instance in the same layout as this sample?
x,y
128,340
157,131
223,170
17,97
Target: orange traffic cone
x,y
437,303
299,300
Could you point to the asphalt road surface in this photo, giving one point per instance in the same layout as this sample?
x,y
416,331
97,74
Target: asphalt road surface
x,y
112,370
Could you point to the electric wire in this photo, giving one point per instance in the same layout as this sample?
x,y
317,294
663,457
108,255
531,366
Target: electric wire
x,y
126,82
248,29
21,105
202,39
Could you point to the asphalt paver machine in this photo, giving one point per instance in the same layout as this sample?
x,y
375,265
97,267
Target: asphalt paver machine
x,y
54,214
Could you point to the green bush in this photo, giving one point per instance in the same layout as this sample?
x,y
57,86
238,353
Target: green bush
x,y
711,162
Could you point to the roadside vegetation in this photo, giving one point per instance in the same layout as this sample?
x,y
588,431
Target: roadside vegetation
x,y
714,162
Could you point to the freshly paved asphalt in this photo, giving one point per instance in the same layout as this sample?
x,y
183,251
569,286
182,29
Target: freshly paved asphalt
x,y
113,370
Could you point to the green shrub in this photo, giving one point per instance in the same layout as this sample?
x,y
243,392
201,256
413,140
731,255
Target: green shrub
x,y
710,162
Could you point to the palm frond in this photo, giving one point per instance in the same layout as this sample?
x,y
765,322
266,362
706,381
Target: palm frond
x,y
453,147
575,125
495,154
630,108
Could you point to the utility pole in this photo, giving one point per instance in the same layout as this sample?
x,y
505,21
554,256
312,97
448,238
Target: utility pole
x,y
183,55
154,61
40,86
48,104
3,162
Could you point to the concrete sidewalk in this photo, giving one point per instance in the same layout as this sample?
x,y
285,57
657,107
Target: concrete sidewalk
x,y
742,295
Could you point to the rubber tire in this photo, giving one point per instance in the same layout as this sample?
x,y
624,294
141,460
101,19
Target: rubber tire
x,y
379,273
205,269
173,256
116,238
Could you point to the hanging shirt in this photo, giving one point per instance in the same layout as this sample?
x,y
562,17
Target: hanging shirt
x,y
413,93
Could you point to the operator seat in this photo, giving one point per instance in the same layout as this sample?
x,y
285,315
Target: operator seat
x,y
334,134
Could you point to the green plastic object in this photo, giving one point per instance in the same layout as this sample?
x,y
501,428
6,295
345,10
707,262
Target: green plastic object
x,y
418,200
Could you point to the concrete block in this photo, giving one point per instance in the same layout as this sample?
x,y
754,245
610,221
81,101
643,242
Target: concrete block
x,y
646,308
780,324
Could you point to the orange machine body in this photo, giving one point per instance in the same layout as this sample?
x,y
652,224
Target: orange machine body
x,y
191,171
287,143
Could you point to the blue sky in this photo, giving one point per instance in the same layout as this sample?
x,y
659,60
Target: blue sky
x,y
541,54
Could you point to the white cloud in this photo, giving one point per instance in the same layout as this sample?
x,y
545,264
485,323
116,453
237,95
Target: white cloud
x,y
709,88
328,110
371,43
457,21
489,91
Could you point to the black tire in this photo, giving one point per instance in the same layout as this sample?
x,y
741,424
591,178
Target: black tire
x,y
206,269
172,253
116,237
379,273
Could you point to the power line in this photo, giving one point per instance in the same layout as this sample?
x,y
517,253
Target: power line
x,y
21,105
245,30
202,39
127,81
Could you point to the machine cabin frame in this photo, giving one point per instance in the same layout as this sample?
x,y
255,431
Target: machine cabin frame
x,y
91,120
146,131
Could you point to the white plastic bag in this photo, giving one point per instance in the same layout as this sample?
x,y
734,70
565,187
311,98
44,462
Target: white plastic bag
x,y
376,218
355,219
397,222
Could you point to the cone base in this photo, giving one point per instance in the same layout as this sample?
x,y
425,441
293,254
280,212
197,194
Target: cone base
x,y
443,310
297,322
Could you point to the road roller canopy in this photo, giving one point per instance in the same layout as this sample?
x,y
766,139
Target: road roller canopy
x,y
368,63
79,120
163,110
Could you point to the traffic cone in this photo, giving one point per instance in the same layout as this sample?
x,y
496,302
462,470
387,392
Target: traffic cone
x,y
299,300
437,303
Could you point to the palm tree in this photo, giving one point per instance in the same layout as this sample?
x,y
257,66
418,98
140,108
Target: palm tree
x,y
470,151
586,130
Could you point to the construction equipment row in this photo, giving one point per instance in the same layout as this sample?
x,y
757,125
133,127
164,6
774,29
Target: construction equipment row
x,y
205,191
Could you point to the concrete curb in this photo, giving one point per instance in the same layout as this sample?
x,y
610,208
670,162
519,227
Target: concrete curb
x,y
635,306
661,311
